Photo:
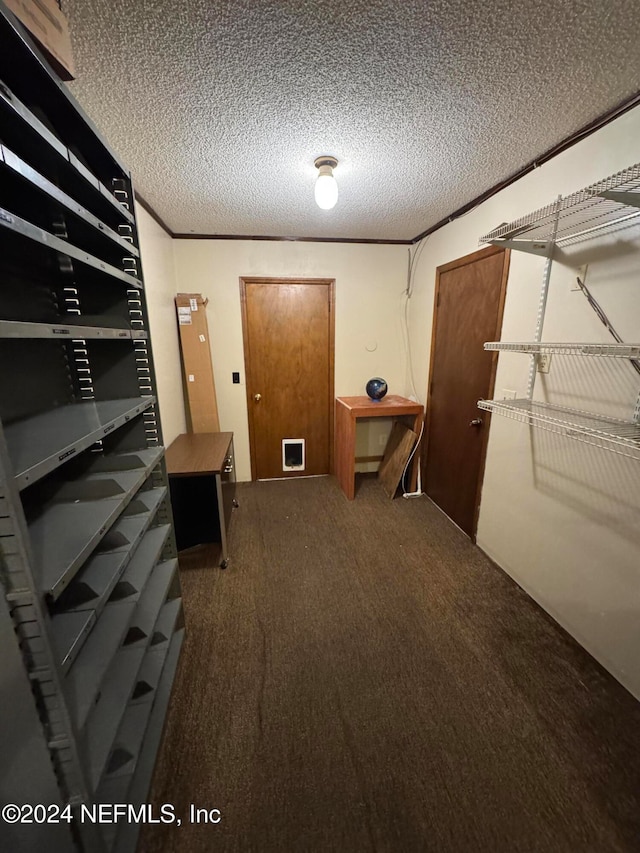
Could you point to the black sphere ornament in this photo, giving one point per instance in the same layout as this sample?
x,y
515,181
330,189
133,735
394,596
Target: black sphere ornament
x,y
376,388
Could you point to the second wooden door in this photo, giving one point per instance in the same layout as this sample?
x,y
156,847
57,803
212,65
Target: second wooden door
x,y
469,302
288,330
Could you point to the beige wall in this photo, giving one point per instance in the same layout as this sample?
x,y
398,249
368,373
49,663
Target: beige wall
x,y
561,517
370,280
160,288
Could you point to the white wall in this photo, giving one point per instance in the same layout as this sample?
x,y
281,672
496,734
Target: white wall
x,y
560,517
156,247
370,280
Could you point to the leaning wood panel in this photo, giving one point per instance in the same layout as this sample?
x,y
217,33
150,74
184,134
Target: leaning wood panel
x,y
200,389
396,455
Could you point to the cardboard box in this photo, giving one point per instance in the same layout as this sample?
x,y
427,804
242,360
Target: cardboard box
x,y
48,26
199,385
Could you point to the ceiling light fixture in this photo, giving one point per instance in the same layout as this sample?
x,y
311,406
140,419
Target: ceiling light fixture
x,y
326,189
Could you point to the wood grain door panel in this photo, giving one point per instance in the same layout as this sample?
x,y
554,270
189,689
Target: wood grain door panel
x,y
288,333
469,303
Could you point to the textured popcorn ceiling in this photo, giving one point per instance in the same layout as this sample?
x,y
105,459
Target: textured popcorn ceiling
x,y
220,108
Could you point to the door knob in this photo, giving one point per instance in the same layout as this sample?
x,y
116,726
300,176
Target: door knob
x,y
476,422
257,397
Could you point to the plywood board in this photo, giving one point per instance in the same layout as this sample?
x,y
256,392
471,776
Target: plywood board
x,y
200,390
396,454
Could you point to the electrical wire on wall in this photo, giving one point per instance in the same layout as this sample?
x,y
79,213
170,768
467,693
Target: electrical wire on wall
x,y
408,293
413,263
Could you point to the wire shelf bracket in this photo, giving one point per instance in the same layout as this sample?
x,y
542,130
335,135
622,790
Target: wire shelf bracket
x,y
540,248
546,347
601,208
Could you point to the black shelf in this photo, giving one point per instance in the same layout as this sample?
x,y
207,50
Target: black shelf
x,y
32,191
133,788
150,601
107,715
88,670
24,229
134,579
47,153
65,531
91,587
132,678
40,444
66,330
64,535
91,576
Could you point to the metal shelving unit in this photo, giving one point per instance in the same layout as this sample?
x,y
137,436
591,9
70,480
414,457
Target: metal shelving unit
x,y
21,228
602,208
50,153
134,784
611,434
65,329
99,575
102,725
88,564
85,678
40,444
31,184
546,348
64,536
135,577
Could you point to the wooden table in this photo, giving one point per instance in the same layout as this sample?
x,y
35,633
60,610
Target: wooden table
x,y
202,483
348,410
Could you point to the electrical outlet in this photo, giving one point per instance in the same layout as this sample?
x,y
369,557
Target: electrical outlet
x,y
544,362
581,273
509,394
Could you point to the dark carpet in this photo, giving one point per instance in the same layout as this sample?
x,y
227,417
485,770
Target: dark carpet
x,y
363,678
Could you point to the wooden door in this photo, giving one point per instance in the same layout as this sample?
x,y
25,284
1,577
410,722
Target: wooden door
x,y
288,328
469,302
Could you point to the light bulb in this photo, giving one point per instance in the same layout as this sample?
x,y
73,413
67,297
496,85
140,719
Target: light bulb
x,y
326,188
